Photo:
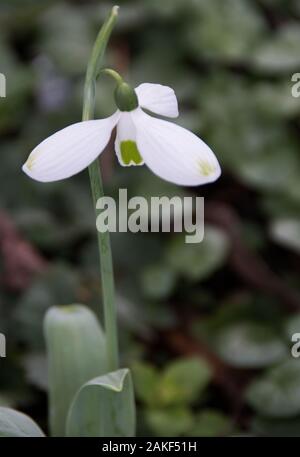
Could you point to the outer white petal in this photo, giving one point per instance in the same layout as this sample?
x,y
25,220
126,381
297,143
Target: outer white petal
x,y
158,99
174,153
126,132
70,150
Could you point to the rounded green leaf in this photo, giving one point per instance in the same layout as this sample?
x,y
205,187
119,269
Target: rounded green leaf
x,y
183,381
158,281
146,382
279,53
277,393
210,423
250,345
173,421
287,233
198,261
224,29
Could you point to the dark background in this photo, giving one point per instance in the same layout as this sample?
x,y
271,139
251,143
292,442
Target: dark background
x,y
232,301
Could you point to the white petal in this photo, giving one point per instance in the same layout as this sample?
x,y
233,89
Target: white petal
x,y
125,144
174,153
158,99
69,150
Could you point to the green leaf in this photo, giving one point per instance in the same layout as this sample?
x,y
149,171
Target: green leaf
x,y
279,53
104,407
270,151
146,382
227,30
16,424
277,393
250,345
183,381
273,100
269,171
158,281
287,233
198,261
76,354
210,423
169,422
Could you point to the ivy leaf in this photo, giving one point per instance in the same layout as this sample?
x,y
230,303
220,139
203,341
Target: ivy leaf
x,y
230,34
146,382
279,53
200,260
277,393
169,422
158,281
287,233
210,423
183,381
250,345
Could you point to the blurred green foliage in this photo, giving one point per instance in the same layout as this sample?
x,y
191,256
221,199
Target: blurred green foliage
x,y
207,328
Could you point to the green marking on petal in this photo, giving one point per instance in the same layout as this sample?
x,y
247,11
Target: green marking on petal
x,y
30,161
206,168
129,153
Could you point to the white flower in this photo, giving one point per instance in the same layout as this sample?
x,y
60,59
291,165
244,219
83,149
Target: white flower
x,y
170,151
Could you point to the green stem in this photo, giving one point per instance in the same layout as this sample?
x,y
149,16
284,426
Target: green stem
x,y
113,74
106,264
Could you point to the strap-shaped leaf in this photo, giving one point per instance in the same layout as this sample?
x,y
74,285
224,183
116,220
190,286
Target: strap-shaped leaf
x,y
104,407
76,353
16,424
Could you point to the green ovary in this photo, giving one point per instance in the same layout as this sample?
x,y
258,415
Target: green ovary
x,y
129,153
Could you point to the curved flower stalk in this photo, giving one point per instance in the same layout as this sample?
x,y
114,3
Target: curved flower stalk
x,y
170,151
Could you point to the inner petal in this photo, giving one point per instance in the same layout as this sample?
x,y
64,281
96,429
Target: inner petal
x,y
129,153
125,144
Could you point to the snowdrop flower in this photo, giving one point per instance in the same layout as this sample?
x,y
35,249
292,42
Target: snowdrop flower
x,y
170,151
